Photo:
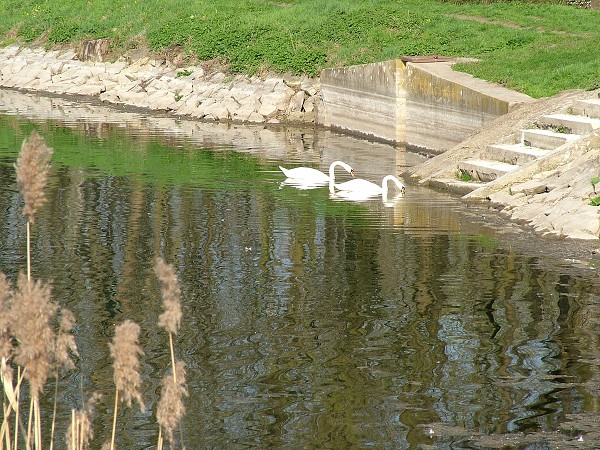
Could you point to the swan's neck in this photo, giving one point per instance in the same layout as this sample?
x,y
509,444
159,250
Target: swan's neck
x,y
384,184
332,172
331,182
384,187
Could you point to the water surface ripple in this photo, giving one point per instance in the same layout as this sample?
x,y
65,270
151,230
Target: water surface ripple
x,y
309,321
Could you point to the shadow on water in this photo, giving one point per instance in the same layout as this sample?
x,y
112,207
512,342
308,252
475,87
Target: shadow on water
x,y
309,321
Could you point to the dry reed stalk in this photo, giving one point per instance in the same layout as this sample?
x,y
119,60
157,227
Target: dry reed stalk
x,y
170,407
124,350
6,373
32,175
170,319
32,309
65,345
80,432
6,294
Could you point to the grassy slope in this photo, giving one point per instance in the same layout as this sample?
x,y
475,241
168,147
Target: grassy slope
x,y
539,49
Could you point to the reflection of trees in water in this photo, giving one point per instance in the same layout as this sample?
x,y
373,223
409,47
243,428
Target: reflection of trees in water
x,y
301,325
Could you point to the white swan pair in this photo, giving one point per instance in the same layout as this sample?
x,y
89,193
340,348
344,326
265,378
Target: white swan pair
x,y
308,177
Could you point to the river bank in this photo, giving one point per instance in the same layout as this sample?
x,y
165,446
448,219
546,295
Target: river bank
x,y
554,194
554,198
142,80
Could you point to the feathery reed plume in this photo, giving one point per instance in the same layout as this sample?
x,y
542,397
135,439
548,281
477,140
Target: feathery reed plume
x,y
65,345
124,350
171,293
65,341
6,373
6,294
170,407
31,315
32,173
80,432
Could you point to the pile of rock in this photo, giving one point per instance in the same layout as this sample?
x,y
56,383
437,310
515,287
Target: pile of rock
x,y
558,201
160,86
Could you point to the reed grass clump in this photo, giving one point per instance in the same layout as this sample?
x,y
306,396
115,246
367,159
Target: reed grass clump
x,y
32,173
80,432
170,408
32,176
37,341
125,352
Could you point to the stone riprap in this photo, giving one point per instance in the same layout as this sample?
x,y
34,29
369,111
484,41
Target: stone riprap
x,y
158,85
557,201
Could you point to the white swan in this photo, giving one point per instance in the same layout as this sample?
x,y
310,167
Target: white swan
x,y
308,175
367,188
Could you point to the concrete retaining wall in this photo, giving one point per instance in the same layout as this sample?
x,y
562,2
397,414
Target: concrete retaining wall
x,y
421,104
366,99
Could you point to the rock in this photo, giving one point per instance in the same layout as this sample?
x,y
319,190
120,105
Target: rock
x,y
256,118
268,109
581,224
530,187
295,103
139,80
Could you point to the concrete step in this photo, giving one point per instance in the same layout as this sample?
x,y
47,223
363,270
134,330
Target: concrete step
x,y
485,170
570,123
546,139
589,108
518,154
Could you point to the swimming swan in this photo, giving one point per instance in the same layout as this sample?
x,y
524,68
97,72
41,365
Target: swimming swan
x,y
310,175
367,188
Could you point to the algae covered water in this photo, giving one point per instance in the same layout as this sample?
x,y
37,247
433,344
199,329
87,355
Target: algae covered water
x,y
310,321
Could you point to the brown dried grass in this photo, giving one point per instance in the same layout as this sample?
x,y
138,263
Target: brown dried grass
x,y
125,350
6,293
32,309
32,173
170,407
80,433
170,319
65,342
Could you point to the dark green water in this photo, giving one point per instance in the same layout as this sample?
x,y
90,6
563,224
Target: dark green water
x,y
308,322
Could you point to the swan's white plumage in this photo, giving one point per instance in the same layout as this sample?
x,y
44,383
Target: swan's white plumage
x,y
368,188
313,176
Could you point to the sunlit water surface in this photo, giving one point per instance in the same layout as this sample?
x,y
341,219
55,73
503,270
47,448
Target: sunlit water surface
x,y
309,321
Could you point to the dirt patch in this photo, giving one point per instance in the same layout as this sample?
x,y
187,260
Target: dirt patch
x,y
515,25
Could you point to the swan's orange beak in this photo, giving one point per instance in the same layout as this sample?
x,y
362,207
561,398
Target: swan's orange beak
x,y
352,172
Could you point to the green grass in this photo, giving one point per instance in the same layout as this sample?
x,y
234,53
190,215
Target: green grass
x,y
464,176
595,201
537,48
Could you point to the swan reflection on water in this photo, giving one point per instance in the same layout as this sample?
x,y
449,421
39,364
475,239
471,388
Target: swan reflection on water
x,y
302,185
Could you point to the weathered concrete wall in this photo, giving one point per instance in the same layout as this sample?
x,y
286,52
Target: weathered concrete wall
x,y
367,99
444,107
423,105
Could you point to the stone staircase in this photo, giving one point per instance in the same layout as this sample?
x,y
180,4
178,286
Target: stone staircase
x,y
552,131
